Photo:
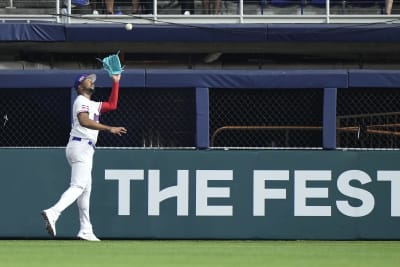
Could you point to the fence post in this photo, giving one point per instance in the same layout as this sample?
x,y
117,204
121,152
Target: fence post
x,y
11,4
329,118
202,118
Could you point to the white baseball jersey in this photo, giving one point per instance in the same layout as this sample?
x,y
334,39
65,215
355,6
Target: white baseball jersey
x,y
83,104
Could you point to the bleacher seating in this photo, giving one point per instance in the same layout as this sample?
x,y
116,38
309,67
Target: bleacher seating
x,y
364,6
28,3
283,3
270,7
319,6
38,7
250,7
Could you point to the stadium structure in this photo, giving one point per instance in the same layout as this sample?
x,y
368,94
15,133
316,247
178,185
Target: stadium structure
x,y
240,88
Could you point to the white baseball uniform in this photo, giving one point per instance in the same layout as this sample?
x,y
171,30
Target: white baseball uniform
x,y
79,152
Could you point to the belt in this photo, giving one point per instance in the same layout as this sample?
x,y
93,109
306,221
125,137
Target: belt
x,y
90,142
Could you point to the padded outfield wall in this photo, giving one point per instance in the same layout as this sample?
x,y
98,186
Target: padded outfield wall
x,y
210,194
203,192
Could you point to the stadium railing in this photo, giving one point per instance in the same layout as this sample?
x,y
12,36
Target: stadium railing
x,y
225,11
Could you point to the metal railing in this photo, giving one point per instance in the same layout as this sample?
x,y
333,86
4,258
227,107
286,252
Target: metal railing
x,y
282,135
369,130
362,132
198,11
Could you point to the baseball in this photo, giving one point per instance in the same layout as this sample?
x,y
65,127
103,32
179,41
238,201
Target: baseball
x,y
128,26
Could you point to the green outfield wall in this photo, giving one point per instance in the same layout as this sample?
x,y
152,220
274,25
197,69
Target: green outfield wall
x,y
208,194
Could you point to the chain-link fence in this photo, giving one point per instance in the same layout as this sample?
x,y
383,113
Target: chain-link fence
x,y
368,118
153,117
34,117
266,118
239,118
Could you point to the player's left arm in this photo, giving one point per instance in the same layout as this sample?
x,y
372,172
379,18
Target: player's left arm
x,y
86,122
112,102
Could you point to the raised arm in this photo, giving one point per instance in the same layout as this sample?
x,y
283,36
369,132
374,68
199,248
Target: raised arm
x,y
112,102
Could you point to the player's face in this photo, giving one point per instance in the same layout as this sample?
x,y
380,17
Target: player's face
x,y
88,86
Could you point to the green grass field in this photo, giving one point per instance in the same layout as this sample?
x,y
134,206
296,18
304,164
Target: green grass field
x,y
199,253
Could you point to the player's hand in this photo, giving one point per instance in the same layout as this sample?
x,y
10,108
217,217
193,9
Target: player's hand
x,y
116,78
118,130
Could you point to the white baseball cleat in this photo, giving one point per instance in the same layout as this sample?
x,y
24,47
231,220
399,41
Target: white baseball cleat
x,y
50,221
87,236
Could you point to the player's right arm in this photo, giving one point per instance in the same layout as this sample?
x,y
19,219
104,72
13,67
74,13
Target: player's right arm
x,y
112,102
85,121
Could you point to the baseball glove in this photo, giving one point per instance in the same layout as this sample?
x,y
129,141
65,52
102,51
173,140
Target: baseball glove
x,y
112,64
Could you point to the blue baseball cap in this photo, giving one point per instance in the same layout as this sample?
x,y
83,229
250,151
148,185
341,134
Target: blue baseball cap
x,y
83,77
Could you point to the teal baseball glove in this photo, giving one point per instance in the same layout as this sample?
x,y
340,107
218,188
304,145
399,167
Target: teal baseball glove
x,y
112,64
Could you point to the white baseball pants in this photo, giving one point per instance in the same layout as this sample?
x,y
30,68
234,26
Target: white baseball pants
x,y
80,157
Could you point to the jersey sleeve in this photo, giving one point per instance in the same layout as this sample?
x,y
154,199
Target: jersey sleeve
x,y
82,106
112,102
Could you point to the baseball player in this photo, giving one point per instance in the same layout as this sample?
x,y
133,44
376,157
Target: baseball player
x,y
80,150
